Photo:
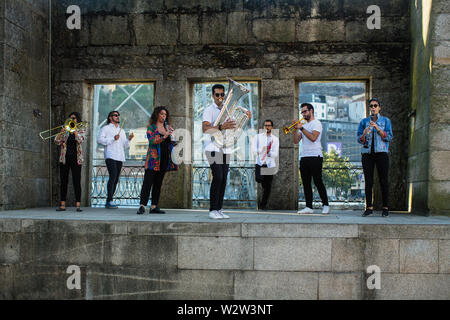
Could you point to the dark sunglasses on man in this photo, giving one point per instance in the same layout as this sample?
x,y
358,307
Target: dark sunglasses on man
x,y
219,94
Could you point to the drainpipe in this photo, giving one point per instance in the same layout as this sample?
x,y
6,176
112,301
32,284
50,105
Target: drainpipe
x,y
50,100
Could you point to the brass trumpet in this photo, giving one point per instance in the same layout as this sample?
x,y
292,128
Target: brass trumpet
x,y
291,128
69,126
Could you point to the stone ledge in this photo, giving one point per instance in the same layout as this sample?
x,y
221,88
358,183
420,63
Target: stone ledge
x,y
281,230
405,231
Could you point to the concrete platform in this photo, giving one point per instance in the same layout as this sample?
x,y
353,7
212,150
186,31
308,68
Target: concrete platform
x,y
254,255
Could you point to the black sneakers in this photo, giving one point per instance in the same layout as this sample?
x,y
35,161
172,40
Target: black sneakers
x,y
141,210
367,212
156,210
385,212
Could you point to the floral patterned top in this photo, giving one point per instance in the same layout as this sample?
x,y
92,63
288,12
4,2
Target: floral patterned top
x,y
152,160
63,143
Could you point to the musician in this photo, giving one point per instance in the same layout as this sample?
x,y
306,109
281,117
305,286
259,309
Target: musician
x,y
218,156
375,133
158,160
311,157
115,141
70,159
266,146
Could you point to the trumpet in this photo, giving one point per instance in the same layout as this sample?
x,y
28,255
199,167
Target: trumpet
x,y
69,126
291,128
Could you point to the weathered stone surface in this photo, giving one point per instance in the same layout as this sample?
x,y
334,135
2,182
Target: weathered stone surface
x,y
121,283
320,30
298,230
261,285
9,248
419,256
347,255
300,254
215,253
340,286
414,287
117,27
274,30
438,197
439,167
441,28
238,28
197,284
159,30
444,256
404,231
189,29
383,253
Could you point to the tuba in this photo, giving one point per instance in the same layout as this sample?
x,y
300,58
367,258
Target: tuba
x,y
231,111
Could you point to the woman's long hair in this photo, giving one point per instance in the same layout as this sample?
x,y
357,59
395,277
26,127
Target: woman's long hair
x,y
76,114
156,111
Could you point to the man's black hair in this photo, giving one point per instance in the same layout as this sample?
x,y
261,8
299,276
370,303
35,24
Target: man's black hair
x,y
308,105
376,100
271,122
217,86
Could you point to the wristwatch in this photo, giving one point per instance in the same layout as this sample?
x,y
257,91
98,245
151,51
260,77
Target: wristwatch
x,y
220,127
301,129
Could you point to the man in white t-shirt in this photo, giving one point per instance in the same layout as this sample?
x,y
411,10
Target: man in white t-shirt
x,y
218,156
311,158
265,145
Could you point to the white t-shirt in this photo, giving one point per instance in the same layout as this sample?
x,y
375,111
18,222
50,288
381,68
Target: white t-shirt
x,y
309,148
210,114
114,149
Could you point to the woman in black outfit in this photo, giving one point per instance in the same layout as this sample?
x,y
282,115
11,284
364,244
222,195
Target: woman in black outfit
x,y
71,158
158,159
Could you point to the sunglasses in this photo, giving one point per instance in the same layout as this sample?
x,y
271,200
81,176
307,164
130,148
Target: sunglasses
x,y
374,105
116,115
219,94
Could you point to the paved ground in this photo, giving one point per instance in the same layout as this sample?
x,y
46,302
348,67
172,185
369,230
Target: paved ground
x,y
237,216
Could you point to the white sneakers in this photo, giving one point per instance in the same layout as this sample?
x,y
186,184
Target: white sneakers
x,y
217,214
306,210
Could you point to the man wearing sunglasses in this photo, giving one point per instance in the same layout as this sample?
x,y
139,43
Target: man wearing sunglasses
x,y
115,141
218,158
375,133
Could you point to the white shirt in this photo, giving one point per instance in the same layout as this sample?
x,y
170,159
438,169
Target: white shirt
x,y
261,141
211,114
114,149
309,148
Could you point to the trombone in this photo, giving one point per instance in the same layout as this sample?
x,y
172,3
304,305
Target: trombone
x,y
291,128
69,126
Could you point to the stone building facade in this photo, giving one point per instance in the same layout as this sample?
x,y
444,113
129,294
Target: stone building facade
x,y
175,43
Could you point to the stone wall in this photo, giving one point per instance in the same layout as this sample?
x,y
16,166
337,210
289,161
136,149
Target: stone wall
x,y
151,260
277,43
429,151
24,86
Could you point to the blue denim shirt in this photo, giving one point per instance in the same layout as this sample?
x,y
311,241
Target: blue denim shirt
x,y
381,144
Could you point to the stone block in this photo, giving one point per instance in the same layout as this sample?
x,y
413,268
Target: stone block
x,y
159,30
204,5
419,256
122,283
238,28
19,13
441,53
417,170
189,29
9,225
438,165
441,28
298,230
440,108
154,252
197,284
444,256
215,253
214,28
274,30
419,144
340,286
7,282
203,229
66,248
81,227
438,197
46,282
304,254
387,8
414,287
441,78
347,255
263,285
320,30
32,226
383,253
392,30
404,231
440,6
109,30
9,248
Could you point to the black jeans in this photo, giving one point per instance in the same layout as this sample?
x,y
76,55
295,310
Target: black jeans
x,y
311,167
71,164
219,164
266,183
114,167
369,161
152,180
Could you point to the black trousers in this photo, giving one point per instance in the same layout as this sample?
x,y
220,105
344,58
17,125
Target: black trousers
x,y
219,164
71,165
266,184
114,167
152,180
381,161
311,167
